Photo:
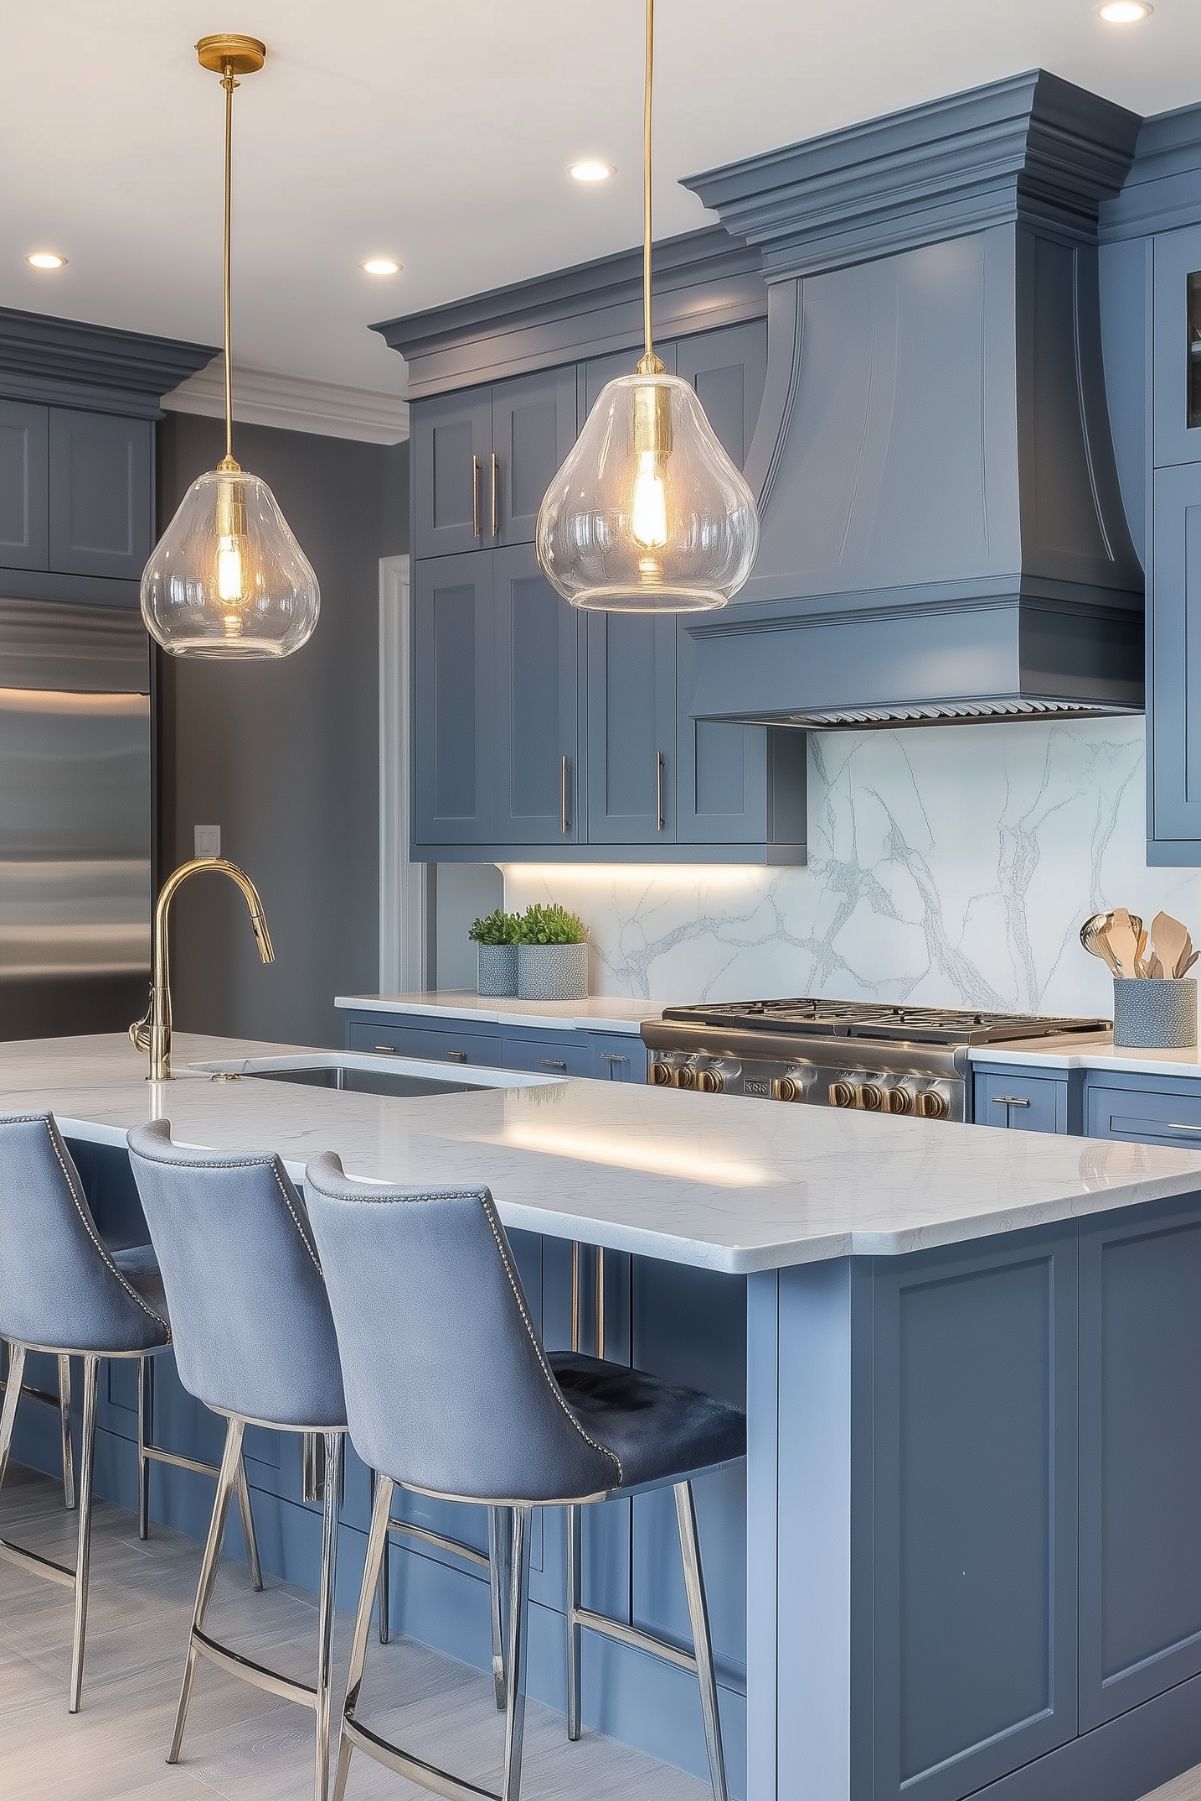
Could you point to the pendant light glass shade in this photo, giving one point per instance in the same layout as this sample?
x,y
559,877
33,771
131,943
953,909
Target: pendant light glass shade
x,y
227,577
647,514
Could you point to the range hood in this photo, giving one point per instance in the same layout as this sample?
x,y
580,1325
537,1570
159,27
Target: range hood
x,y
943,533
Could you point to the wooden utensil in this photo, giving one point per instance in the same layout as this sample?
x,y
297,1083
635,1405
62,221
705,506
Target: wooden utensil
x,y
1188,956
1153,968
1171,942
1122,935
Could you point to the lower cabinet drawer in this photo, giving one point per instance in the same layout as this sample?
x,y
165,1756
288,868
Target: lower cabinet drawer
x,y
617,1057
1028,1103
1145,1118
568,1055
420,1041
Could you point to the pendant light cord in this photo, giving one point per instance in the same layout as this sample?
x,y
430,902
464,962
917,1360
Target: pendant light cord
x,y
229,84
649,363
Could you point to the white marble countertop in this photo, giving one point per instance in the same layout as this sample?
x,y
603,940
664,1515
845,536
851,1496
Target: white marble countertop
x,y
597,1014
1089,1053
727,1184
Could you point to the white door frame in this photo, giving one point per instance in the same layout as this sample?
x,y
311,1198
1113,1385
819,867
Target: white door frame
x,y
406,889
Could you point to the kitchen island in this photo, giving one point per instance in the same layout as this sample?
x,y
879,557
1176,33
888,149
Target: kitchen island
x,y
965,1558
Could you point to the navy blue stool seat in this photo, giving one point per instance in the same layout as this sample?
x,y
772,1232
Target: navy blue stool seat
x,y
64,1292
459,1399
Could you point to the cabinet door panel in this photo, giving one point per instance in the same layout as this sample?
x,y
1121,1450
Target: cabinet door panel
x,y
728,368
631,729
617,1056
1027,1103
533,428
975,1508
101,493
24,477
1172,716
1140,1468
1177,347
450,499
454,702
538,640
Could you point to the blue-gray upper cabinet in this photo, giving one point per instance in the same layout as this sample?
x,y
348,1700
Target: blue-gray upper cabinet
x,y
101,493
533,428
734,783
631,729
728,369
24,486
537,671
1175,667
1177,347
483,459
454,701
451,445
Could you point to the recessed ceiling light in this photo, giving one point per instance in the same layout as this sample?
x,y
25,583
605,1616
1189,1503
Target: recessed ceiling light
x,y
1125,12
46,259
591,169
381,265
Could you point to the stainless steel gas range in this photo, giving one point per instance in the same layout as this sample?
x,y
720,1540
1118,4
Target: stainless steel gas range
x,y
861,1054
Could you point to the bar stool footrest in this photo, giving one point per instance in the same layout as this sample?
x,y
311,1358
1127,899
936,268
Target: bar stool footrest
x,y
439,1540
258,1674
633,1636
36,1564
404,1763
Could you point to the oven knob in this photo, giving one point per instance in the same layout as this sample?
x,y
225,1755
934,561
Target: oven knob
x,y
871,1097
787,1088
899,1100
684,1076
933,1105
661,1075
842,1094
710,1081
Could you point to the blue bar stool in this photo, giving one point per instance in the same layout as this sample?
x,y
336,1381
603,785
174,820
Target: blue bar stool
x,y
459,1400
255,1343
62,1291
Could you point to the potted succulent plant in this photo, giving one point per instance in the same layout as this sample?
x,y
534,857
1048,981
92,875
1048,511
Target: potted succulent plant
x,y
495,936
552,955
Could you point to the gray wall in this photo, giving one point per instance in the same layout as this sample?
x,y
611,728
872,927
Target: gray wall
x,y
283,756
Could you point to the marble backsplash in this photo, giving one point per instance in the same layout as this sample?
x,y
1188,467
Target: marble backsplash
x,y
950,865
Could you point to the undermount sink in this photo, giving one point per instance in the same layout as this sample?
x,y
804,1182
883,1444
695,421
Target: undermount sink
x,y
352,1073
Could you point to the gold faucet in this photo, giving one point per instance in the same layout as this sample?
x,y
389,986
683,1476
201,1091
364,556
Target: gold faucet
x,y
153,1031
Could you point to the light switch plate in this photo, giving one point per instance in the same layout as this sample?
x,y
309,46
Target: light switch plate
x,y
207,840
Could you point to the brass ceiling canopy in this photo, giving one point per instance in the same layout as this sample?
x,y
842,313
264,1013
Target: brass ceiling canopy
x,y
233,51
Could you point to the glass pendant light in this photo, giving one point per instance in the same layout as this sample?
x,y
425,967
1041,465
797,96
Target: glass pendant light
x,y
227,578
647,514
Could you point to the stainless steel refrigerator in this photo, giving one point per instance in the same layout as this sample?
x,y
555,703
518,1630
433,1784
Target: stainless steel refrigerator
x,y
75,818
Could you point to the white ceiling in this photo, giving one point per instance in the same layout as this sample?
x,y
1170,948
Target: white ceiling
x,y
440,134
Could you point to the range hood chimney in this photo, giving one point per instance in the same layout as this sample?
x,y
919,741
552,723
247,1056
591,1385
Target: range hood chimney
x,y
943,535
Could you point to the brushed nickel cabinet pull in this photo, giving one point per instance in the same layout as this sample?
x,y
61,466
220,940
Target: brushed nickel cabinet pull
x,y
613,1057
1010,1100
385,1050
660,818
495,495
1178,1128
456,1056
475,496
564,820
553,1062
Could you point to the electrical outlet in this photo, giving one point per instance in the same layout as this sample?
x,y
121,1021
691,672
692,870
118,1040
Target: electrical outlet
x,y
207,839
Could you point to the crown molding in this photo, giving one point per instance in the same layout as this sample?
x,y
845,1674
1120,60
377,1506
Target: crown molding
x,y
1031,148
67,362
1163,189
293,403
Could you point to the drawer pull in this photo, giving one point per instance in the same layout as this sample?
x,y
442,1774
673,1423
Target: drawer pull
x,y
553,1062
385,1050
1010,1100
475,496
456,1056
660,815
495,510
613,1057
564,819
1174,1127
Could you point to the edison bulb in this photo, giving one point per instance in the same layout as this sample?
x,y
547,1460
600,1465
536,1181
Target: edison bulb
x,y
648,509
230,587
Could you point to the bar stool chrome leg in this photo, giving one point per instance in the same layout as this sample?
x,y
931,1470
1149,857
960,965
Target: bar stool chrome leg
x,y
698,1613
574,1561
87,1459
519,1606
64,1425
145,1415
500,1542
230,1463
12,1395
325,1627
377,1545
